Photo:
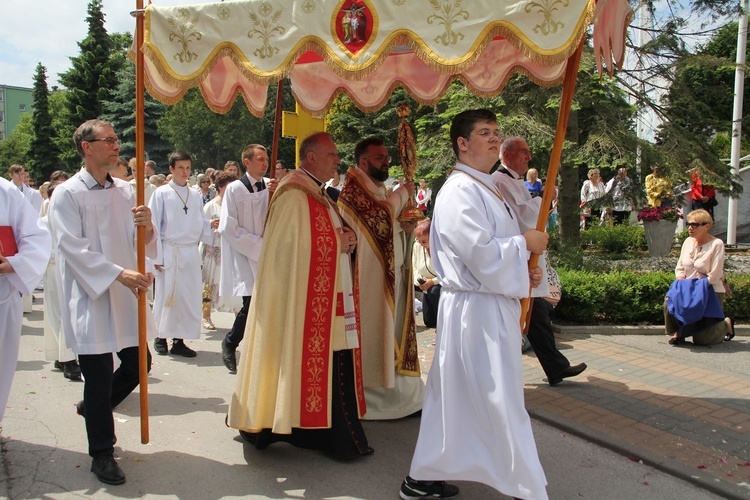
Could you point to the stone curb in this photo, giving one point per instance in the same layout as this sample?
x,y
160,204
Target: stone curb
x,y
740,330
650,458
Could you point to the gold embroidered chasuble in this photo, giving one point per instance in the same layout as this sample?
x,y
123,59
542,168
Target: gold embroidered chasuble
x,y
381,280
296,320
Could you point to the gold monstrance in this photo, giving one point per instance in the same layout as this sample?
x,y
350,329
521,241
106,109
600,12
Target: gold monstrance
x,y
407,150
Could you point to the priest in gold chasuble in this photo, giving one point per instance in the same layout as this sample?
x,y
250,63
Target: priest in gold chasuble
x,y
298,380
382,285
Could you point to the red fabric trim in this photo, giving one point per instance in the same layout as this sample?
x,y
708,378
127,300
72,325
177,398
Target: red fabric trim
x,y
359,382
315,398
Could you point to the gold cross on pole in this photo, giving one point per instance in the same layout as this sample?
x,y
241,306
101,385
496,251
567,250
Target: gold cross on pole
x,y
299,125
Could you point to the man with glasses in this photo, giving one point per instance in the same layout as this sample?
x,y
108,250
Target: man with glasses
x,y
93,220
515,157
243,215
382,283
474,425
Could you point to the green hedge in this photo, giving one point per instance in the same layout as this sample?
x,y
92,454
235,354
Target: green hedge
x,y
629,298
614,239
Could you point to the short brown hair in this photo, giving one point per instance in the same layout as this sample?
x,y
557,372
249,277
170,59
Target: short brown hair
x,y
249,151
87,132
15,168
222,179
58,175
176,156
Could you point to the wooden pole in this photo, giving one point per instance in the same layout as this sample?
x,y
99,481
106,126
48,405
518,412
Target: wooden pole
x,y
277,128
140,230
569,86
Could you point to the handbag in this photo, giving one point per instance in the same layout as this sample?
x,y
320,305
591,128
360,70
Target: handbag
x,y
711,202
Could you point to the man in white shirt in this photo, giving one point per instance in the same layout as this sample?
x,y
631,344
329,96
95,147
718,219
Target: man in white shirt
x,y
515,156
474,424
93,221
149,169
17,173
243,215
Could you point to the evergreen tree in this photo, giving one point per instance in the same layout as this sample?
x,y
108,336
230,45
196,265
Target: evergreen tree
x,y
120,110
15,147
93,75
43,152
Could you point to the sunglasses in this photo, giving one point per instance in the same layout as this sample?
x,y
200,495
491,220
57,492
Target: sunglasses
x,y
696,224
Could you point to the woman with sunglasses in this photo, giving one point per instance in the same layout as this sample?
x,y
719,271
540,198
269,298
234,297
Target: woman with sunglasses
x,y
701,257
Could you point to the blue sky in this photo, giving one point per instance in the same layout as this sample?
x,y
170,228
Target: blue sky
x,y
48,31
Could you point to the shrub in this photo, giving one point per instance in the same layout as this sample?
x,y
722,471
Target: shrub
x,y
614,239
629,298
736,305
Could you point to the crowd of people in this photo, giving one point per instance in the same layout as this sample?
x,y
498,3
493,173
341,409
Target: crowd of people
x,y
333,341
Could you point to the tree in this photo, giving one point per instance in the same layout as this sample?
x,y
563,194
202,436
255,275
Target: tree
x,y
68,157
120,110
15,147
42,153
93,75
211,138
698,111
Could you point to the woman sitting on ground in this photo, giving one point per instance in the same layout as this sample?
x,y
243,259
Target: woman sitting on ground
x,y
690,308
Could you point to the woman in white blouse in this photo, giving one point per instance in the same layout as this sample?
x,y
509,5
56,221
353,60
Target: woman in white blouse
x,y
592,190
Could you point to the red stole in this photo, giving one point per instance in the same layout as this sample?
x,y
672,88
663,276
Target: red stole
x,y
320,309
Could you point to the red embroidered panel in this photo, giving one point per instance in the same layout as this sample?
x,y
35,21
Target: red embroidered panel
x,y
316,349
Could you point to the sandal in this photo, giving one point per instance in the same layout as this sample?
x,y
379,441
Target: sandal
x,y
729,336
676,341
208,324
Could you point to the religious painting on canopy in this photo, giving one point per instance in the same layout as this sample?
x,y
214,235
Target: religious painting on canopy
x,y
353,26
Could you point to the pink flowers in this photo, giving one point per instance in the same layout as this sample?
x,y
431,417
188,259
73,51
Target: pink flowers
x,y
651,214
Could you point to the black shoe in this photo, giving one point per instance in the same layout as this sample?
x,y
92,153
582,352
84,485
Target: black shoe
x,y
412,489
160,346
71,370
730,334
260,440
676,341
106,470
180,349
58,366
228,356
570,371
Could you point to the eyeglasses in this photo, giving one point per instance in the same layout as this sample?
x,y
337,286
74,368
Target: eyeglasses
x,y
487,134
696,224
380,158
111,141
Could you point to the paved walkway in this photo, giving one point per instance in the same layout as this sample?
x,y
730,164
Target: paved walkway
x,y
684,410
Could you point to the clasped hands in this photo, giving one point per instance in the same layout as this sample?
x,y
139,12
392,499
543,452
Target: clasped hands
x,y
348,240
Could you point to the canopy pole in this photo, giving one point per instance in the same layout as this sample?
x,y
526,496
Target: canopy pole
x,y
277,128
569,85
141,230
